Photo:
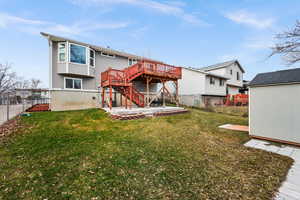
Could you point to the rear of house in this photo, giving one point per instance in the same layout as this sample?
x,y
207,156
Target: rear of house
x,y
75,72
274,106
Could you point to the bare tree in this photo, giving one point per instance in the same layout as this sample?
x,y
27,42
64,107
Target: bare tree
x,y
7,78
22,83
289,45
35,83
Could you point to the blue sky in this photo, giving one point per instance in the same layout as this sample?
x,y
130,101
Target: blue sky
x,y
192,33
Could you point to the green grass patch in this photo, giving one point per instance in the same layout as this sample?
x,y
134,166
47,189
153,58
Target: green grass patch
x,y
86,155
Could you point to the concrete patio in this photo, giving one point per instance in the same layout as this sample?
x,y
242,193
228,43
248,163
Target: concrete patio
x,y
146,111
290,188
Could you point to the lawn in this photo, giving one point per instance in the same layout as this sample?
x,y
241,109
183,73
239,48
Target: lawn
x,y
86,155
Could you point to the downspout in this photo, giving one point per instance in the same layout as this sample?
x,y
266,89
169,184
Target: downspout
x,y
50,69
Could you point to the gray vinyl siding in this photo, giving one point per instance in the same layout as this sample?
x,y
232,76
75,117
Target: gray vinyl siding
x,y
80,71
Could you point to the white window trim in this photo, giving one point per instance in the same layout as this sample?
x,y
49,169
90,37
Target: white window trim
x,y
72,79
108,55
66,50
133,61
86,54
94,57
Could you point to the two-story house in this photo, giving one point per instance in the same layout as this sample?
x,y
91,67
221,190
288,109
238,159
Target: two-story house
x,y
210,85
75,72
232,70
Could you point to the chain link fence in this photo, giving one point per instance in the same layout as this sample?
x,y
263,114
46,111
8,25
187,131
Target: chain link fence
x,y
12,105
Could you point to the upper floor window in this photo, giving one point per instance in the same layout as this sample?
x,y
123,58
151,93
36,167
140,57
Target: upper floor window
x,y
61,52
212,80
237,76
131,61
92,58
107,55
222,82
73,83
77,54
231,72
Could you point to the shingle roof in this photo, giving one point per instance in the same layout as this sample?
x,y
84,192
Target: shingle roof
x,y
221,65
207,73
277,77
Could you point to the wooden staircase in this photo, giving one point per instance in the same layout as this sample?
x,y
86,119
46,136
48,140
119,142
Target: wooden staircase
x,y
122,80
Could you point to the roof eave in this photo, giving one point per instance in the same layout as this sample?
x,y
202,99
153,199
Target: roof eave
x,y
99,48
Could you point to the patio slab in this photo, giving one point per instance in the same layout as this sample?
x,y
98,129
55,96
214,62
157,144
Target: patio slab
x,y
235,127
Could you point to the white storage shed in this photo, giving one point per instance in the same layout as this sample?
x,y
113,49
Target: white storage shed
x,y
274,107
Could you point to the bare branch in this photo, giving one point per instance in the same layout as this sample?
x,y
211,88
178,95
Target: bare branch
x,y
35,83
288,45
7,78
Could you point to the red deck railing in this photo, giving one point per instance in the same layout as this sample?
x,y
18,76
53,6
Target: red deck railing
x,y
113,77
118,78
154,69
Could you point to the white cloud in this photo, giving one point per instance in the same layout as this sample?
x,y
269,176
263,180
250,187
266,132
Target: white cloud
x,y
174,8
36,26
6,19
250,19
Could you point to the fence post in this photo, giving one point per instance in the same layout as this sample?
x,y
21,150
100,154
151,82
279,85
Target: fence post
x,y
23,105
7,106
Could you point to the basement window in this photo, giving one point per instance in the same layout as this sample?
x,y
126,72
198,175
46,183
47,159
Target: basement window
x,y
73,83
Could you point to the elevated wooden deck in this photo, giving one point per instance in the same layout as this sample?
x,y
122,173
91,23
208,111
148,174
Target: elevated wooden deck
x,y
147,71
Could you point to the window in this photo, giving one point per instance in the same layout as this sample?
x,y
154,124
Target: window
x,y
107,55
61,52
231,72
222,82
237,76
131,61
92,58
72,83
212,80
77,54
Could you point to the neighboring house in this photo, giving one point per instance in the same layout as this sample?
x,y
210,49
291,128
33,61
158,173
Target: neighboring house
x,y
274,106
209,85
75,70
231,69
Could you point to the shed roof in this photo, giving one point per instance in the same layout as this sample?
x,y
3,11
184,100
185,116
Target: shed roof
x,y
277,77
222,65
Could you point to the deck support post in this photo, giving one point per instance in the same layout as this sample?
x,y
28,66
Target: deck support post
x,y
110,97
147,96
177,94
130,93
148,80
126,101
103,97
121,103
163,94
